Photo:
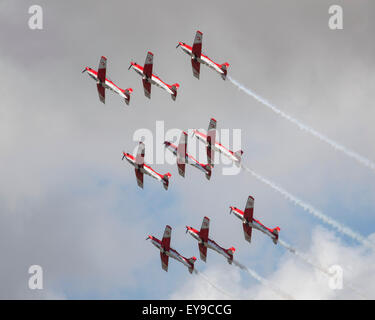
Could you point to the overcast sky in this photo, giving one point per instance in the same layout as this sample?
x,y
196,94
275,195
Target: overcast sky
x,y
69,204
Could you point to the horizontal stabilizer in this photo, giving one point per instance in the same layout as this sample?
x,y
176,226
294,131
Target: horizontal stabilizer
x,y
127,93
192,261
224,67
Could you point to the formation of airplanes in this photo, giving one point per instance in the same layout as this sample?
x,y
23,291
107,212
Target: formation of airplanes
x,y
148,78
204,242
182,156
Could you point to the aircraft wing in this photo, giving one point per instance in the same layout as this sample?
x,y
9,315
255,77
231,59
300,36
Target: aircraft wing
x,y
164,261
181,154
166,241
211,139
147,88
140,158
248,215
102,69
196,67
147,69
197,45
101,92
203,233
196,51
203,252
139,162
139,176
247,231
249,210
165,244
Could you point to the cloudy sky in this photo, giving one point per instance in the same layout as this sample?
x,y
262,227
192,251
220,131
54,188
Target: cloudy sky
x,y
69,204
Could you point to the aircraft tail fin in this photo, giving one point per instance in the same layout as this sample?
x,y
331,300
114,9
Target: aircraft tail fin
x,y
165,180
238,155
191,261
276,231
230,252
174,88
224,67
127,93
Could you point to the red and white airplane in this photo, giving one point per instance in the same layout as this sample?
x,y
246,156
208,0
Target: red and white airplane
x,y
249,222
184,158
197,57
205,242
103,83
141,168
148,78
166,251
212,145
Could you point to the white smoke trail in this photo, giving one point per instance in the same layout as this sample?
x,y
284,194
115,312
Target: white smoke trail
x,y
315,212
263,281
324,270
303,257
213,285
360,159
